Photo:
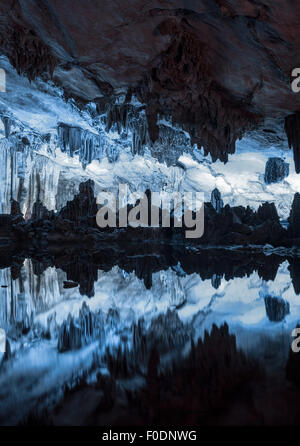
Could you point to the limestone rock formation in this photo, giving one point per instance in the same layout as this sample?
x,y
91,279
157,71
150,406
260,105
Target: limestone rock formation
x,y
40,212
216,200
5,225
214,369
7,125
77,141
167,331
292,128
267,211
77,332
83,208
294,218
77,221
15,212
191,64
276,170
276,308
216,281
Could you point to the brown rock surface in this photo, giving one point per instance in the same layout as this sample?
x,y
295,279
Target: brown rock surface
x,y
218,67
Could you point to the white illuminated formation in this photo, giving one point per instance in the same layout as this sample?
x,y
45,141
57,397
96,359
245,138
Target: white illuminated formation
x,y
2,341
52,146
2,81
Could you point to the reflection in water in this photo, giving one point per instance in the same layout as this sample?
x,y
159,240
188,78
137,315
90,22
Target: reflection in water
x,y
68,318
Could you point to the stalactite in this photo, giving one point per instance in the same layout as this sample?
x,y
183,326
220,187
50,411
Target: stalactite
x,y
118,114
7,125
77,141
25,50
129,119
166,144
139,137
86,145
180,86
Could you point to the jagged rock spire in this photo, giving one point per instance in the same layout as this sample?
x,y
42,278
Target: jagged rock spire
x,y
216,200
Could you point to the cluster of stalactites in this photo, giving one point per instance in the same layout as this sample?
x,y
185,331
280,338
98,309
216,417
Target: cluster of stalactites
x,y
25,50
88,146
77,141
129,118
167,145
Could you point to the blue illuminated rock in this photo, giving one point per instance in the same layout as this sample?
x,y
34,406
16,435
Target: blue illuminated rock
x,y
276,170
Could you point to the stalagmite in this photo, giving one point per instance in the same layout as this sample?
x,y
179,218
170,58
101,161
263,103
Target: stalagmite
x,y
83,208
216,200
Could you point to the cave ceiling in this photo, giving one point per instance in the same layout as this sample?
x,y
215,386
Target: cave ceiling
x,y
220,69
